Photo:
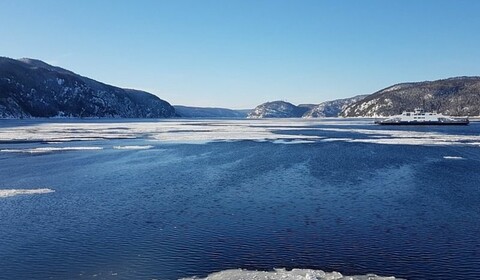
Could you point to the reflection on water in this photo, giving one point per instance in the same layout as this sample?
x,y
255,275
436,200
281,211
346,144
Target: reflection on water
x,y
137,208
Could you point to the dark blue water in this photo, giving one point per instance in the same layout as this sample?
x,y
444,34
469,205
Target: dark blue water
x,y
180,210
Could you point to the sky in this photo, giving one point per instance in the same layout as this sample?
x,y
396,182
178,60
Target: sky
x,y
241,53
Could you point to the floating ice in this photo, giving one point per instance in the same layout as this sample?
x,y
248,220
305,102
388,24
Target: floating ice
x,y
282,141
145,147
14,192
167,131
43,150
284,131
282,274
452,157
400,137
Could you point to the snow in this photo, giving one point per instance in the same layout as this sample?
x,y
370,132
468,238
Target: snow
x,y
397,87
388,103
14,192
283,274
367,104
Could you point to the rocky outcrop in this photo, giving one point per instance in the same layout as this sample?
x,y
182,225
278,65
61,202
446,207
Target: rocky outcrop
x,y
32,88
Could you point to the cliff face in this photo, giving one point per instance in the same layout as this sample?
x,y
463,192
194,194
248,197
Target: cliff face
x,y
32,88
454,96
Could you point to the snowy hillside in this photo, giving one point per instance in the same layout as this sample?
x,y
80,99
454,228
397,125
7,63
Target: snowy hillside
x,y
32,88
277,109
454,96
331,108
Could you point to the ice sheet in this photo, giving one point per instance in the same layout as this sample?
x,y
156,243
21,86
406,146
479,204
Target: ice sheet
x,y
282,131
163,131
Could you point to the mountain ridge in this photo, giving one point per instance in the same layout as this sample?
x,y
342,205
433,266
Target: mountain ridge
x,y
32,88
277,109
332,108
208,112
283,109
456,96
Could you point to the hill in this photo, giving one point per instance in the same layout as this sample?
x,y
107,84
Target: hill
x,y
277,109
207,112
454,96
331,108
33,88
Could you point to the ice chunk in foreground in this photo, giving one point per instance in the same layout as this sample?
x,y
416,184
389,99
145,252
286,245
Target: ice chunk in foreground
x,y
14,192
283,274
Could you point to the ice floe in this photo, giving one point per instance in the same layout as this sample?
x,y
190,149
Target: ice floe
x,y
281,131
42,150
282,141
452,157
403,137
133,147
283,274
14,192
168,131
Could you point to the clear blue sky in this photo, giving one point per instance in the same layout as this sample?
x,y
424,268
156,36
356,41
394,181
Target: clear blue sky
x,y
240,53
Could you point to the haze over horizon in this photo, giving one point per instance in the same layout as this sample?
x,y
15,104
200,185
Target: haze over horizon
x,y
238,54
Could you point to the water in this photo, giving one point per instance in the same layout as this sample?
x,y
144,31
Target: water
x,y
172,199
